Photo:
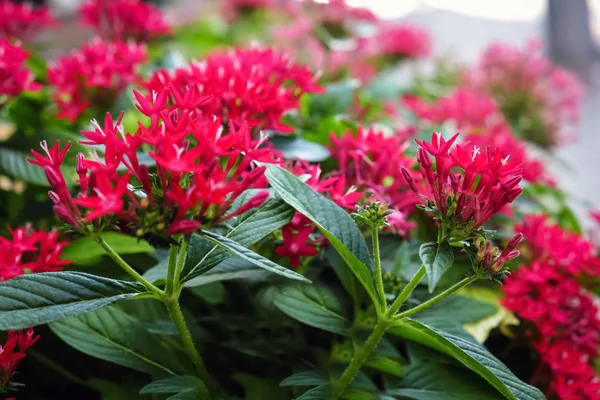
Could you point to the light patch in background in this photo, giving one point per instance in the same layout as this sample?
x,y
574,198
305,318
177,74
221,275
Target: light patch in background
x,y
507,10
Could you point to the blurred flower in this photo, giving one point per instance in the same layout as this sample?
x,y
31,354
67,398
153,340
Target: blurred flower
x,y
124,19
398,41
94,75
200,170
10,357
540,100
14,76
251,85
23,21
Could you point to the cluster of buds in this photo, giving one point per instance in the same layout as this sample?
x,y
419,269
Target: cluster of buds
x,y
23,21
11,354
14,76
462,201
199,171
29,251
124,20
373,215
489,262
254,86
94,74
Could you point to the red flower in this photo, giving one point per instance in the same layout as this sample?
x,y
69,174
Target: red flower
x,y
94,74
108,199
124,19
295,245
10,357
23,21
254,86
14,77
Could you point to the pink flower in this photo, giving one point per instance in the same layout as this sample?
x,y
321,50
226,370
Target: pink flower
x,y
14,76
23,21
94,74
10,358
399,40
124,20
295,245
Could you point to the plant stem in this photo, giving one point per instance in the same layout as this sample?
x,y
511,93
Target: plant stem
x,y
188,344
123,264
182,251
377,256
170,285
361,354
408,289
437,298
56,367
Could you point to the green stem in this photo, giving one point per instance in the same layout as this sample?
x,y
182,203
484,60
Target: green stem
x,y
123,264
56,367
170,285
182,252
408,289
187,342
378,274
438,298
361,354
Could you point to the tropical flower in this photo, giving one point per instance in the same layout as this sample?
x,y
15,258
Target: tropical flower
x,y
14,76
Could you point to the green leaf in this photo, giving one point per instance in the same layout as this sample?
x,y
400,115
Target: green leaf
x,y
85,249
336,99
313,377
317,393
230,269
212,293
14,163
437,260
36,299
458,309
472,355
249,255
246,230
314,305
432,380
112,335
298,148
256,388
185,384
333,221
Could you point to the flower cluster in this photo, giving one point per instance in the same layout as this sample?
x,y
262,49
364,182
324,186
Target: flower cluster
x,y
94,75
463,201
11,354
251,85
233,8
296,234
200,171
14,76
23,21
371,161
398,41
29,251
540,100
124,20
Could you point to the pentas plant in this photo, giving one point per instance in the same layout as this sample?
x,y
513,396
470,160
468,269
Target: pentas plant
x,y
254,86
124,20
14,75
12,353
23,21
94,75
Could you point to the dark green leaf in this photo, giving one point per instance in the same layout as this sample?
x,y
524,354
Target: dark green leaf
x,y
112,335
317,393
190,385
212,293
314,305
470,354
14,164
249,255
298,148
246,230
458,309
230,269
342,271
333,221
437,260
257,388
307,378
85,249
36,299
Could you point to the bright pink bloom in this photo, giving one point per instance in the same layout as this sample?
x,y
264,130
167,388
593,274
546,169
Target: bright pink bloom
x,y
252,85
23,21
95,74
124,19
14,76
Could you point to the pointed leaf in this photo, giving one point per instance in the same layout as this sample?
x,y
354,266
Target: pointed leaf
x,y
339,228
14,163
112,335
437,260
230,269
317,393
314,305
178,384
36,299
472,355
314,377
251,256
